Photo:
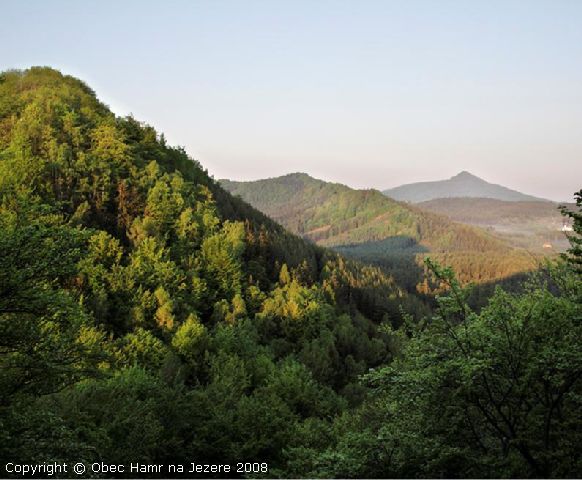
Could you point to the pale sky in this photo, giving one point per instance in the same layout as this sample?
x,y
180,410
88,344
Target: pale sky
x,y
366,93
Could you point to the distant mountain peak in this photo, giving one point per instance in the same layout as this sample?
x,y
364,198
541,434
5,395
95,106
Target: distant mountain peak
x,y
463,184
465,174
297,174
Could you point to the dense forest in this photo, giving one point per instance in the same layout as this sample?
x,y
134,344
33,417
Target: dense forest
x,y
133,287
146,315
368,226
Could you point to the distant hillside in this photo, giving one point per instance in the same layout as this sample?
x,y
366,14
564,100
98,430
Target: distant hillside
x,y
333,214
372,227
531,225
462,185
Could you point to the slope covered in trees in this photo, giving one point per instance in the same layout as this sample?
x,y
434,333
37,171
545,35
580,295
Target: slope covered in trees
x,y
365,224
145,313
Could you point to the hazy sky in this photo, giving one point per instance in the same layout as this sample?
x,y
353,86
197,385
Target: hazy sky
x,y
371,94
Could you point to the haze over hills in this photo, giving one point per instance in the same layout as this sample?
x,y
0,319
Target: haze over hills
x,y
537,226
370,226
463,184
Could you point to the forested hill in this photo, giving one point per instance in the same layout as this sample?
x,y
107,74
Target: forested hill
x,y
370,226
333,214
463,184
141,300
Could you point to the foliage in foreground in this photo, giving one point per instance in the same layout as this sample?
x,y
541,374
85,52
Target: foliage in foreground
x,y
490,394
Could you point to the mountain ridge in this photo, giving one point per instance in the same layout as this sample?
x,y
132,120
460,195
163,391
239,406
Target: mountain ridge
x,y
369,226
359,208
